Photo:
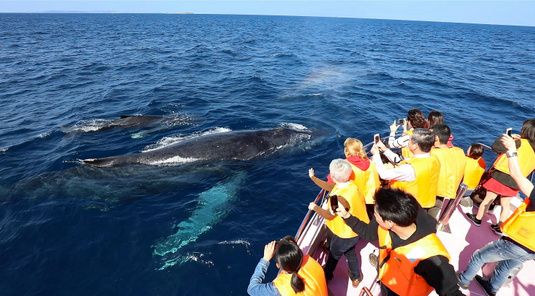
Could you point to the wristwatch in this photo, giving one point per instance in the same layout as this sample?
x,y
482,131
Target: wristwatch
x,y
510,154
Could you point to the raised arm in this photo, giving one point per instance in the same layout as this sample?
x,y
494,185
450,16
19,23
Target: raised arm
x,y
367,231
523,183
321,184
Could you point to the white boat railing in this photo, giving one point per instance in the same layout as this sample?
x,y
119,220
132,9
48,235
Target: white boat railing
x,y
319,200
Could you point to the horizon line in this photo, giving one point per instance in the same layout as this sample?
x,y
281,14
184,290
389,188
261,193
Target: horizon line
x,y
244,14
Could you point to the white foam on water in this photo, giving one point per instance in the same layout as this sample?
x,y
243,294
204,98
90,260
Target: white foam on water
x,y
188,257
176,160
168,141
91,125
294,126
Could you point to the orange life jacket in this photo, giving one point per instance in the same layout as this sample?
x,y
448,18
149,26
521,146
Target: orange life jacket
x,y
311,273
452,165
526,159
473,171
520,226
357,208
367,181
405,151
424,186
397,265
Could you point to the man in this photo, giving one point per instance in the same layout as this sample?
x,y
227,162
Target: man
x,y
452,164
518,246
417,175
343,239
412,260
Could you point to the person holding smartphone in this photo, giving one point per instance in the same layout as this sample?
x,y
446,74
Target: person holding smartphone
x,y
415,119
518,246
417,175
299,273
412,259
501,182
342,238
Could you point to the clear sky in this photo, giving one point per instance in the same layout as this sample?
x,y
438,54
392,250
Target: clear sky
x,y
474,11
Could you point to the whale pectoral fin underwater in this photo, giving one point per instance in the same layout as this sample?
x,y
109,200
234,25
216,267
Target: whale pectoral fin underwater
x,y
212,208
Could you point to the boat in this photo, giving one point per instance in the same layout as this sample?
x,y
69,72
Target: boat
x,y
460,237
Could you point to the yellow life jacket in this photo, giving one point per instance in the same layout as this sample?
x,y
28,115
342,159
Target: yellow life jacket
x,y
473,171
397,265
357,208
367,181
311,273
405,151
424,186
452,165
526,159
520,226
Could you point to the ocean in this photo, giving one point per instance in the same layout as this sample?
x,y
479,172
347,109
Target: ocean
x,y
200,228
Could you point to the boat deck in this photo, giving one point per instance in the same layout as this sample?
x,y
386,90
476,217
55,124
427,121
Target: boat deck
x,y
462,242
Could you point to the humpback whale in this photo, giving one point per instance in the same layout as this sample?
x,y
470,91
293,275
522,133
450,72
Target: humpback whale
x,y
156,122
234,145
124,121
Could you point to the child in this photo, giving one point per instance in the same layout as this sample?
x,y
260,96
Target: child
x,y
475,167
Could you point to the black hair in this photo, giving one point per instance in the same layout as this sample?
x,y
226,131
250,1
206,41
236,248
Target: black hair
x,y
443,132
476,150
290,257
424,138
528,130
435,117
416,118
396,205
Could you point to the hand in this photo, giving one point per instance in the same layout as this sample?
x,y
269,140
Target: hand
x,y
269,250
508,142
311,173
381,146
374,150
405,124
394,127
341,211
311,206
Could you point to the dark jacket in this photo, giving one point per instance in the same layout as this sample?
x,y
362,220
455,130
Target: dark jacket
x,y
436,270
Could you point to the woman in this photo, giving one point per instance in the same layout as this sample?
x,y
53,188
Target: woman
x,y
501,183
436,117
415,119
475,167
299,274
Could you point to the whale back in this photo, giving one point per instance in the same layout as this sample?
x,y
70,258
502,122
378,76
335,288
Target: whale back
x,y
236,145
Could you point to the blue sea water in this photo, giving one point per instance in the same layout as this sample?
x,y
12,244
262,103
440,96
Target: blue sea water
x,y
69,229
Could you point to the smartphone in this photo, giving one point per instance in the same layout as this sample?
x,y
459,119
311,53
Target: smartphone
x,y
509,132
376,138
400,121
334,202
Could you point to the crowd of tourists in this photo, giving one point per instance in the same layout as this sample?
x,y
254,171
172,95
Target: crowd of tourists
x,y
397,197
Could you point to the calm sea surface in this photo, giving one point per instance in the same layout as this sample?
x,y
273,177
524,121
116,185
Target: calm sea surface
x,y
68,229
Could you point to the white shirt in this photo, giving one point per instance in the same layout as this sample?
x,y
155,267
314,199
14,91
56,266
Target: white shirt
x,y
403,173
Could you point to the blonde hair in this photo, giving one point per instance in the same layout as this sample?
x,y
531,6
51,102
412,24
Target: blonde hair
x,y
354,147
